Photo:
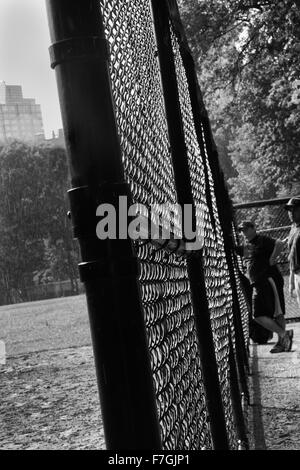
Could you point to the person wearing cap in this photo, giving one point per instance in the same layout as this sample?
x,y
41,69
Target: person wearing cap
x,y
267,304
293,208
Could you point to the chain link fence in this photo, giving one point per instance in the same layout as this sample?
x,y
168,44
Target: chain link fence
x,y
147,159
164,279
193,305
272,219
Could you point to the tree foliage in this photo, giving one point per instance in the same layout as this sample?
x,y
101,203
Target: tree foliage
x,y
247,54
35,240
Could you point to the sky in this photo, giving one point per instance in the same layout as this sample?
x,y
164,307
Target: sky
x,y
24,56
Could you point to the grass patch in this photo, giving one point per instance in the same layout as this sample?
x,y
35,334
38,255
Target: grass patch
x,y
47,324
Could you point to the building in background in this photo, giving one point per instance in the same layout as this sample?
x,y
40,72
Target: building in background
x,y
57,140
20,118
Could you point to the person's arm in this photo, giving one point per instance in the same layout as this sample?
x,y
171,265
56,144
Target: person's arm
x,y
278,247
294,264
296,255
291,283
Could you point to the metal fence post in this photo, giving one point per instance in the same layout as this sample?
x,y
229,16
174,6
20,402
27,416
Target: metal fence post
x,y
237,403
185,196
109,268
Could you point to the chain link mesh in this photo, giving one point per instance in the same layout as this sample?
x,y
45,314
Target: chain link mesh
x,y
165,288
164,280
243,304
215,266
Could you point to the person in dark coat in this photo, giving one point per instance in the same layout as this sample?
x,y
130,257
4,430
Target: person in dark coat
x,y
267,303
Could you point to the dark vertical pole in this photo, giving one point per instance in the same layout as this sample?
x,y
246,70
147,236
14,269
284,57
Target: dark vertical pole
x,y
109,268
236,402
185,196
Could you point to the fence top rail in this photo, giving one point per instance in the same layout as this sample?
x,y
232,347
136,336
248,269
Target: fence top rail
x,y
274,229
264,202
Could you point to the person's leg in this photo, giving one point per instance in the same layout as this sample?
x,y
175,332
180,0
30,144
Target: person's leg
x,y
297,287
263,308
285,339
278,288
270,325
280,320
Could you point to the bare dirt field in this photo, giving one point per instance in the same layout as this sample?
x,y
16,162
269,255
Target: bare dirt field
x,y
48,390
275,390
49,397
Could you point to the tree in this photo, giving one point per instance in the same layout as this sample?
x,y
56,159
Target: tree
x,y
61,250
247,56
21,218
33,183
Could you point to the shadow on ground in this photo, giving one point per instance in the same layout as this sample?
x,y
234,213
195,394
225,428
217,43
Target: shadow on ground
x,y
275,391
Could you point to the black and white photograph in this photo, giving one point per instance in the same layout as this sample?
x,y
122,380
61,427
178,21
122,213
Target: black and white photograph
x,y
150,228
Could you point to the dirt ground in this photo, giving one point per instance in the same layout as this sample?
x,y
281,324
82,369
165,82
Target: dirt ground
x,y
49,397
49,401
275,392
48,391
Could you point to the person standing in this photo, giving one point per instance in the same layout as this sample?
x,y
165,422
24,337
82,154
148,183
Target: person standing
x,y
267,304
293,208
